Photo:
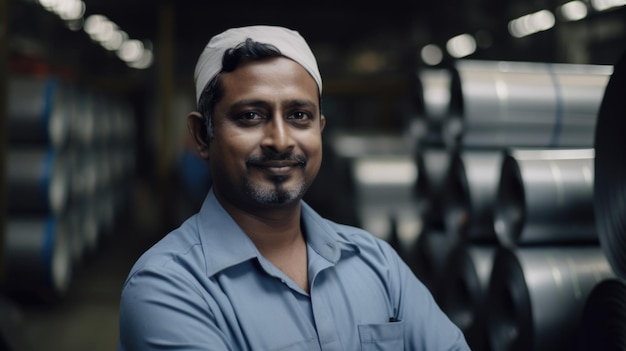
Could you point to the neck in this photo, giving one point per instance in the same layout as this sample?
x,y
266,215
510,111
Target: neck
x,y
269,228
279,238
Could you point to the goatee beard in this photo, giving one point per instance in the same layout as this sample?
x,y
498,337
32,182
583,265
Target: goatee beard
x,y
275,195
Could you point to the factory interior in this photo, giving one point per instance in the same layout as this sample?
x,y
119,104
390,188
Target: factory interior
x,y
483,139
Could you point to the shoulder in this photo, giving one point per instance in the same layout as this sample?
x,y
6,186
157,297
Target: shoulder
x,y
178,251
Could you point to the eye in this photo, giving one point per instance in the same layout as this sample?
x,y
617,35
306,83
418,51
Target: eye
x,y
300,116
249,118
250,115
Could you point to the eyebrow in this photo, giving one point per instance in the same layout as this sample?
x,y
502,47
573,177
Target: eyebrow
x,y
302,103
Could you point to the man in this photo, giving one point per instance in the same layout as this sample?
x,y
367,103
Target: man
x,y
257,268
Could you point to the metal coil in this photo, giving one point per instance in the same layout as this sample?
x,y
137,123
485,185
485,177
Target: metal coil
x,y
536,295
39,111
462,293
383,191
546,196
433,165
471,192
434,88
610,170
604,317
526,104
39,180
39,260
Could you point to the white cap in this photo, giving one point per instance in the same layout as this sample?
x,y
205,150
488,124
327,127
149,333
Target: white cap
x,y
289,42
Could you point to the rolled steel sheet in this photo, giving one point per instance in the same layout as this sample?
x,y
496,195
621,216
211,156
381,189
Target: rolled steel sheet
x,y
383,187
39,111
433,165
536,295
436,89
526,104
603,323
39,180
433,112
39,259
610,170
85,130
471,194
463,291
546,196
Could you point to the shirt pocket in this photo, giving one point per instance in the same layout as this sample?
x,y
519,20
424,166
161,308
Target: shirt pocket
x,y
382,337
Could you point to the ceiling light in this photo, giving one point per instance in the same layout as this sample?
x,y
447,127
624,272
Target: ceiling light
x,y
461,45
431,54
573,10
531,23
603,5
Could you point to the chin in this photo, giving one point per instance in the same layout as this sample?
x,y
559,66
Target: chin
x,y
278,194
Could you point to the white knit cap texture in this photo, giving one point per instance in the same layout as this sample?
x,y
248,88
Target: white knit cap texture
x,y
289,42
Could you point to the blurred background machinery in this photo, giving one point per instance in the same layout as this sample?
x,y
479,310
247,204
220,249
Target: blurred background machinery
x,y
480,138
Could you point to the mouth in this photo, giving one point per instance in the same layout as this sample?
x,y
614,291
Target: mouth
x,y
278,167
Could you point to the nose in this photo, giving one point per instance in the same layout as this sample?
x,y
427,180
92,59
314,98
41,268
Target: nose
x,y
278,137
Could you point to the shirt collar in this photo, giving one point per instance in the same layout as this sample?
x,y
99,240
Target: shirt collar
x,y
224,244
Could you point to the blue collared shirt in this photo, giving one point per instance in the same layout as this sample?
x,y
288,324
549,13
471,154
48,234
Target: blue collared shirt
x,y
205,286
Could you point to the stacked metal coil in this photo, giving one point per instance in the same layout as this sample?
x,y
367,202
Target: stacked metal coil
x,y
610,168
518,188
69,167
39,188
537,294
470,196
525,104
545,196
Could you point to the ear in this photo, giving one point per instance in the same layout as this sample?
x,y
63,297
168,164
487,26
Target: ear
x,y
197,129
322,123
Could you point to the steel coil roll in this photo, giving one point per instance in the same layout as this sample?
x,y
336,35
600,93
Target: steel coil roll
x,y
546,196
383,191
436,89
39,111
462,293
434,106
39,180
536,295
526,104
603,323
84,124
433,166
471,193
39,259
610,170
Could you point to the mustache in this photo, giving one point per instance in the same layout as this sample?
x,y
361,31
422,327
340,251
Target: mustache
x,y
269,157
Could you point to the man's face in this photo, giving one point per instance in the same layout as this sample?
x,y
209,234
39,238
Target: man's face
x,y
267,146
